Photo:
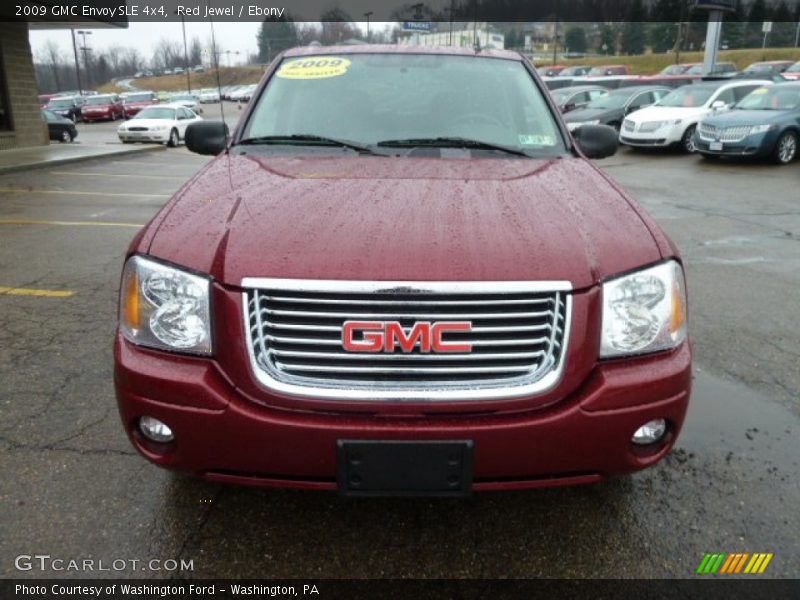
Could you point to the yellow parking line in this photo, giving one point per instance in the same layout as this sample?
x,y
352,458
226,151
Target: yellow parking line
x,y
76,193
116,175
11,291
98,223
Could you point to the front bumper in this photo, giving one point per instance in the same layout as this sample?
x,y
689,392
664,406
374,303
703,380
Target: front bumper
x,y
222,434
662,137
97,116
758,145
144,136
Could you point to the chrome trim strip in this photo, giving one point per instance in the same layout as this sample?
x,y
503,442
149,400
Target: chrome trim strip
x,y
402,356
338,341
340,301
406,287
399,315
426,392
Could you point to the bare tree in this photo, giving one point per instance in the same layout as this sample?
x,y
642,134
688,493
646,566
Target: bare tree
x,y
52,58
167,54
113,56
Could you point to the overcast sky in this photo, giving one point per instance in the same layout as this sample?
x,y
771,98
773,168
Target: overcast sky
x,y
236,37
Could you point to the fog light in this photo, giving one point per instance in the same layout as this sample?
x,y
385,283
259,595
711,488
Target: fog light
x,y
155,430
650,432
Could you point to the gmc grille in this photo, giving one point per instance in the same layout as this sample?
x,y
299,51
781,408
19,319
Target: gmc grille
x,y
518,337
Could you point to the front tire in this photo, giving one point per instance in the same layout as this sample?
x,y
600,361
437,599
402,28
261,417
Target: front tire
x,y
687,141
786,148
173,138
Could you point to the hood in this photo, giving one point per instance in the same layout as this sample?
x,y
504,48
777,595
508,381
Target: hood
x,y
746,117
146,123
590,114
402,219
665,113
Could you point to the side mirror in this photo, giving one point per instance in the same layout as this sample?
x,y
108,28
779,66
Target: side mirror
x,y
207,137
718,104
596,141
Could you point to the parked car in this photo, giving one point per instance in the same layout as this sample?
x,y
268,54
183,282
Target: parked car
x,y
720,68
198,68
66,106
768,68
103,107
187,100
44,99
764,124
163,96
551,70
575,71
178,71
608,70
133,102
792,72
162,123
673,119
166,72
612,108
676,69
208,95
58,127
573,97
509,319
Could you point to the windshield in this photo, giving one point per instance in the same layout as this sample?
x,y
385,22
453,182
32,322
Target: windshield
x,y
772,98
689,96
156,112
99,100
759,68
600,71
795,68
614,99
182,97
138,97
60,103
371,98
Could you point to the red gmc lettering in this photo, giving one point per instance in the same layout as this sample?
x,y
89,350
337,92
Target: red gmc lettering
x,y
386,336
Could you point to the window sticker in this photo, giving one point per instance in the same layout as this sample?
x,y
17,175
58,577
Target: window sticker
x,y
314,67
536,140
759,91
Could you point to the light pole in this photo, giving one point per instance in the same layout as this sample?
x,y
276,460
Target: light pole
x,y
368,14
77,64
85,48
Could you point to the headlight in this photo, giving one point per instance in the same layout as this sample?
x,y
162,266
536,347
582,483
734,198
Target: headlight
x,y
159,128
164,307
644,311
760,129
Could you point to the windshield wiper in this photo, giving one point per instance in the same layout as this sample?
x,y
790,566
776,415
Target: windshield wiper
x,y
451,142
306,139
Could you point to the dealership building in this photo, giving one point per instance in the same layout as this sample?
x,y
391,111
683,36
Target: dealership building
x,y
21,123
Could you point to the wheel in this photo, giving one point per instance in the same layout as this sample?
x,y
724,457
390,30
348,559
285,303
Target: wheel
x,y
66,136
786,148
687,141
173,138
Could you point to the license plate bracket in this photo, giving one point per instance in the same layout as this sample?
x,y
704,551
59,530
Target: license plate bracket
x,y
716,146
405,468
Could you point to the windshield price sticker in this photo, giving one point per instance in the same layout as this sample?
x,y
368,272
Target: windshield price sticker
x,y
537,140
314,67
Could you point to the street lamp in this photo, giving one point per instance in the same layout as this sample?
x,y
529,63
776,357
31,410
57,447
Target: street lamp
x,y
83,33
186,55
77,64
368,14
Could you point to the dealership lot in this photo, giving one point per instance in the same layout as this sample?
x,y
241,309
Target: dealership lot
x,y
76,489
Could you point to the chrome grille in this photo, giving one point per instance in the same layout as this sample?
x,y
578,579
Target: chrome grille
x,y
649,126
518,337
137,128
734,134
707,132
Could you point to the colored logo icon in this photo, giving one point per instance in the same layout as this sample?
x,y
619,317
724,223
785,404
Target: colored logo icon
x,y
734,564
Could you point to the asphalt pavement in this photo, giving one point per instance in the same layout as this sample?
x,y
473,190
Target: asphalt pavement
x,y
74,488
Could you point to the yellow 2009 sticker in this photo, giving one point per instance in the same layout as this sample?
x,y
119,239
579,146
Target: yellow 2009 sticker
x,y
314,67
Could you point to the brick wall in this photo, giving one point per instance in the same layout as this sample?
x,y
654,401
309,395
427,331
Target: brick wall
x,y
16,72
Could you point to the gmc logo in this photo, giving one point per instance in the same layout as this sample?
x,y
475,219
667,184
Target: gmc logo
x,y
385,336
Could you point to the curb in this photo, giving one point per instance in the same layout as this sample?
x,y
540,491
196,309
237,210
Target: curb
x,y
43,164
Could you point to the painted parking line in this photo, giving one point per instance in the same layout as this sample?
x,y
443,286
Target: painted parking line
x,y
95,174
69,223
171,163
12,291
79,193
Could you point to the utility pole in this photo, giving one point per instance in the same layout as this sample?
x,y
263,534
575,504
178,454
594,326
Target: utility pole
x,y
85,49
555,44
77,64
368,14
186,55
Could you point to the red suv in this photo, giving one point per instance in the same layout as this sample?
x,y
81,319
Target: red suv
x,y
418,286
102,107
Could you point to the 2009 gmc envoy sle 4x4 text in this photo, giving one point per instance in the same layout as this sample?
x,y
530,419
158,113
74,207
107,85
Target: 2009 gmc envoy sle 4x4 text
x,y
401,275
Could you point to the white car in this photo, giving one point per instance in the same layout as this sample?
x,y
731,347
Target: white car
x,y
162,123
673,119
187,101
208,95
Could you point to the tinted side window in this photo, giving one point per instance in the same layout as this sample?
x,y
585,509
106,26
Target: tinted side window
x,y
741,92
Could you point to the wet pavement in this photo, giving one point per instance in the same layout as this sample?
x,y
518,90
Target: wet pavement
x,y
74,488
